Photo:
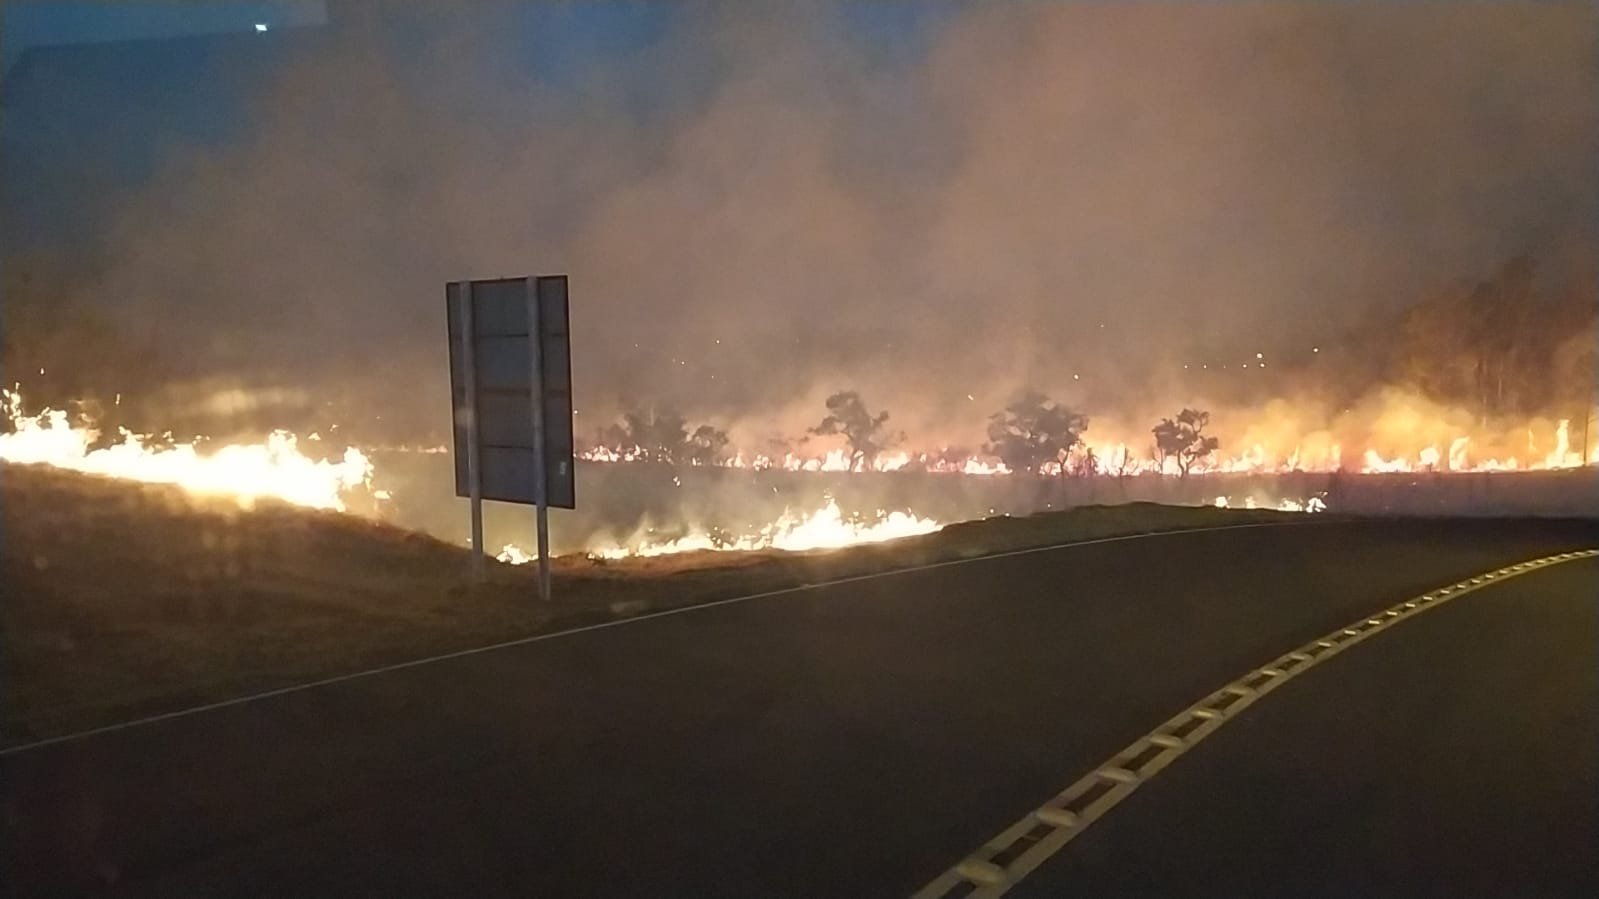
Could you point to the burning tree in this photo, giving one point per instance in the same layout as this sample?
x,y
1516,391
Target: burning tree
x,y
1183,440
1086,464
1121,464
1502,348
706,446
663,436
657,436
1032,431
865,433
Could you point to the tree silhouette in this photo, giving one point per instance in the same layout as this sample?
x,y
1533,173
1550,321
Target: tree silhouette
x,y
865,433
1500,348
1086,464
1183,440
706,446
663,436
1032,431
1122,464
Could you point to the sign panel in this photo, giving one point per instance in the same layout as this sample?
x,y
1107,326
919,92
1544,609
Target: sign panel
x,y
502,376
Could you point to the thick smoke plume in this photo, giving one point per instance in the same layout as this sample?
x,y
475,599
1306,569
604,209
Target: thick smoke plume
x,y
759,209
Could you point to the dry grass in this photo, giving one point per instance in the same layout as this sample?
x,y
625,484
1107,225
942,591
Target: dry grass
x,y
127,599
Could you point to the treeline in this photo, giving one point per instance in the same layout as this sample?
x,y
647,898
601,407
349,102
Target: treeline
x,y
1032,434
665,437
1508,347
1503,348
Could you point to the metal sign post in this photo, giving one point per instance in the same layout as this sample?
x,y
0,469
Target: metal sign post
x,y
511,390
535,351
474,475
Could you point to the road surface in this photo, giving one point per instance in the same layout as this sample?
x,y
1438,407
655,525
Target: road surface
x,y
857,740
1456,756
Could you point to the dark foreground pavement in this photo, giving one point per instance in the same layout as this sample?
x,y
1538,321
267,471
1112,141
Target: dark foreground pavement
x,y
1455,755
849,740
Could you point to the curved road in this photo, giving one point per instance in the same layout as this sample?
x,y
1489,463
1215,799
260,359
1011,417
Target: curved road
x,y
1457,755
853,740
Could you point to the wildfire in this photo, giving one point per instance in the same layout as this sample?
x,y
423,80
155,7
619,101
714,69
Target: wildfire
x,y
274,469
1457,457
825,528
836,460
514,555
1309,505
1120,458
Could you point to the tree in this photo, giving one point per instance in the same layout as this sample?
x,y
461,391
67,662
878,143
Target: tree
x,y
1487,348
1122,464
706,446
1183,440
1086,464
1433,346
865,433
664,437
1034,430
655,436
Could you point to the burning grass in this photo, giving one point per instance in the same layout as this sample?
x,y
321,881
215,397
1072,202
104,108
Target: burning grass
x,y
126,599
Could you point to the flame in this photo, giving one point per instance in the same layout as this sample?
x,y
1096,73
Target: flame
x,y
825,528
247,472
513,554
1117,457
1308,505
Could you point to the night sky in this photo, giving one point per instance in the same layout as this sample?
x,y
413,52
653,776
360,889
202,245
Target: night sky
x,y
925,201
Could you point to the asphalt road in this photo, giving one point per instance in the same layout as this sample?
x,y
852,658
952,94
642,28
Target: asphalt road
x,y
1456,755
851,740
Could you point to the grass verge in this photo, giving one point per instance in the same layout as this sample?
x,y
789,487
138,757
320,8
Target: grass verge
x,y
124,599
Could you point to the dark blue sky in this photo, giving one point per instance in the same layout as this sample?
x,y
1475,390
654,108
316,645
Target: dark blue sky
x,y
44,24
107,89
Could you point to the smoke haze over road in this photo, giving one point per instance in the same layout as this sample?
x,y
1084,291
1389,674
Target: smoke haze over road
x,y
757,209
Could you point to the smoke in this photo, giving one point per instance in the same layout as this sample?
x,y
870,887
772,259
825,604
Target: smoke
x,y
758,208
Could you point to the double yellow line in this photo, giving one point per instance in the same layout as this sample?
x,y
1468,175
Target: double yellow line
x,y
1019,849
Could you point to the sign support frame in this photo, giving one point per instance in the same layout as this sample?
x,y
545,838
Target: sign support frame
x,y
535,338
474,473
503,448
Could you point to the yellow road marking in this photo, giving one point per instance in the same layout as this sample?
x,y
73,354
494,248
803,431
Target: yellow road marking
x,y
1072,811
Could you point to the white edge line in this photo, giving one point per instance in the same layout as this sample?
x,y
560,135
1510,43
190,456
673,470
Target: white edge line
x,y
998,880
618,622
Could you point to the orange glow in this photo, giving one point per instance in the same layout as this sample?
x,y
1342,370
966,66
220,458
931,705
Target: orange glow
x,y
1458,454
274,468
